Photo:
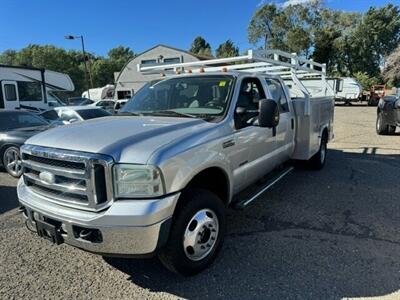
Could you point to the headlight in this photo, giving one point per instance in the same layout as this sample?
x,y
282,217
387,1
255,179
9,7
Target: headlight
x,y
135,181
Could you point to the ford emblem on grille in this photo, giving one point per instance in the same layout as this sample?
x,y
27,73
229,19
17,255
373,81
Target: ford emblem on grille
x,y
47,177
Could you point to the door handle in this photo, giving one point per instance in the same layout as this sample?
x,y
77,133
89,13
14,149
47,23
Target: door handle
x,y
292,123
228,143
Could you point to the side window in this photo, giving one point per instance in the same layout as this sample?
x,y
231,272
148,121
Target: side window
x,y
172,60
278,94
10,92
251,91
29,91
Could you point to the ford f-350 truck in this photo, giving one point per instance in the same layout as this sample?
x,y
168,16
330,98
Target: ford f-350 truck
x,y
158,177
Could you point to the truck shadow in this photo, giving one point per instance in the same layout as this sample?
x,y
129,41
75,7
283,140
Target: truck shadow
x,y
330,234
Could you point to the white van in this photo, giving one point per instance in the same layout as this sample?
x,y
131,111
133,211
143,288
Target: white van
x,y
31,88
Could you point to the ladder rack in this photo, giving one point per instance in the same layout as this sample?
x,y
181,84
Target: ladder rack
x,y
290,67
274,62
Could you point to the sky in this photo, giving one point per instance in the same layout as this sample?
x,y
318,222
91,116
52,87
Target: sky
x,y
137,24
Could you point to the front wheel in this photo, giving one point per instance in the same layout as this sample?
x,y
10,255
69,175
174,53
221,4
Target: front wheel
x,y
197,233
12,161
381,127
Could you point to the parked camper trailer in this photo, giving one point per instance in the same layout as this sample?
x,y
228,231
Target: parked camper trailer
x,y
31,88
105,92
346,89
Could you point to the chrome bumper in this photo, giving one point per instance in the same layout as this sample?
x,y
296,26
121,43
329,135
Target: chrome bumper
x,y
128,227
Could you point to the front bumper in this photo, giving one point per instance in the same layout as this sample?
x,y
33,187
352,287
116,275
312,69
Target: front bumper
x,y
127,227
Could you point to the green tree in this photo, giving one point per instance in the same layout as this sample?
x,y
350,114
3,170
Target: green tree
x,y
298,40
201,47
8,57
227,49
119,56
391,73
324,46
103,69
366,80
268,26
286,28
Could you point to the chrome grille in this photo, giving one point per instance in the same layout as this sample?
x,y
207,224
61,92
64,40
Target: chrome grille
x,y
75,179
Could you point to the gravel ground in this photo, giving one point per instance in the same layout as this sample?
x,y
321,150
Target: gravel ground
x,y
331,234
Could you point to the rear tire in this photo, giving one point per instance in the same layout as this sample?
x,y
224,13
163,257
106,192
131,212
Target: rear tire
x,y
197,233
317,162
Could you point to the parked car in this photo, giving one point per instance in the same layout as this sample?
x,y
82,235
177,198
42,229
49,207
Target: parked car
x,y
16,127
377,92
388,115
156,179
107,104
78,101
52,117
71,114
119,104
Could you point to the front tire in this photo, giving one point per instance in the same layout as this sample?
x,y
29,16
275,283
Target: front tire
x,y
382,128
197,233
12,161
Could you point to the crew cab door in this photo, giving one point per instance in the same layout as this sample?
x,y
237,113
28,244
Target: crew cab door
x,y
259,143
10,95
285,129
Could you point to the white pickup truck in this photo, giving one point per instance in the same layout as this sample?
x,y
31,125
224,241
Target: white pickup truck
x,y
158,177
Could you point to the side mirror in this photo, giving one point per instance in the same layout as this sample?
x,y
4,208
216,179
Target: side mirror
x,y
269,113
397,104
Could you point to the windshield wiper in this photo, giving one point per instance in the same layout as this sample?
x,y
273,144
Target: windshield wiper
x,y
171,113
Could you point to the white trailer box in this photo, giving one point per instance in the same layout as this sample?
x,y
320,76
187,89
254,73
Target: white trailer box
x,y
31,88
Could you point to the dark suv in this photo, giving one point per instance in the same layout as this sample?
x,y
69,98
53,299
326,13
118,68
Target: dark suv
x,y
388,116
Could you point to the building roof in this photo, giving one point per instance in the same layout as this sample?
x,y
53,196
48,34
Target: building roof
x,y
199,57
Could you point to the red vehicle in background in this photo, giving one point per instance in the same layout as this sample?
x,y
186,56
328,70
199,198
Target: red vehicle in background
x,y
377,92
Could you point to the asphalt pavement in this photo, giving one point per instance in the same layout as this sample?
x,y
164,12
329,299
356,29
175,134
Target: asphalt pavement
x,y
330,234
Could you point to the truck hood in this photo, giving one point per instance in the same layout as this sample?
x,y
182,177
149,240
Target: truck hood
x,y
125,138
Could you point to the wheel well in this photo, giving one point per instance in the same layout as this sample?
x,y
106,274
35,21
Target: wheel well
x,y
213,179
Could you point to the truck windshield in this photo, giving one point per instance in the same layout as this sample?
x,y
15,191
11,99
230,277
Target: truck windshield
x,y
204,97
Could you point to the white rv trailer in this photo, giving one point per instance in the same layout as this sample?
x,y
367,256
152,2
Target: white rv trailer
x,y
31,88
346,89
96,94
